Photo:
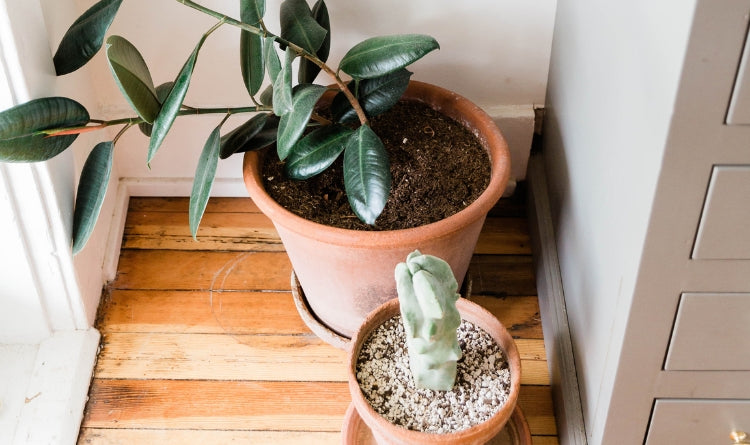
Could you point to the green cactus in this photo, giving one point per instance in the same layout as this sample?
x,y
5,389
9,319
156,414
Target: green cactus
x,y
427,296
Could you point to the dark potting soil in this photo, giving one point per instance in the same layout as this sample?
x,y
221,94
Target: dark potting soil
x,y
437,167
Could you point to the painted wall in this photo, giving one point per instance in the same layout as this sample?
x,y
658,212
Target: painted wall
x,y
89,264
494,52
21,316
41,290
614,73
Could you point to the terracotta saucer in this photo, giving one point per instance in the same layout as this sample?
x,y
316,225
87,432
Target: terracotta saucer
x,y
318,328
356,432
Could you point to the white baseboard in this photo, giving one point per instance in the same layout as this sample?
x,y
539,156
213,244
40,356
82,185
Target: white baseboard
x,y
160,186
517,124
565,393
48,395
116,231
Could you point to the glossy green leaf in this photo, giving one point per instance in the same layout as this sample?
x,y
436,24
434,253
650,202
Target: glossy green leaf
x,y
265,137
299,27
308,71
251,46
162,91
173,102
293,123
85,36
252,11
376,96
273,64
133,77
379,56
316,152
251,61
21,128
367,176
204,179
282,87
233,141
92,187
266,97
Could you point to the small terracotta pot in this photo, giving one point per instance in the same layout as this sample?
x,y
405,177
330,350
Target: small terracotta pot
x,y
345,274
387,433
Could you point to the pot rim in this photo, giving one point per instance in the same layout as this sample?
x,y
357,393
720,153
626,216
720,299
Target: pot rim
x,y
459,108
468,310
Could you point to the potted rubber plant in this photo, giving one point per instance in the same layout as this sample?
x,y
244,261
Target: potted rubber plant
x,y
308,128
431,367
333,304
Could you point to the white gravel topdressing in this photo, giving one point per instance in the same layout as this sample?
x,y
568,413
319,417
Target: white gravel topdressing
x,y
482,381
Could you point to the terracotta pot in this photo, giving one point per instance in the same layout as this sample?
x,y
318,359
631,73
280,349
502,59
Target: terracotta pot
x,y
345,274
387,433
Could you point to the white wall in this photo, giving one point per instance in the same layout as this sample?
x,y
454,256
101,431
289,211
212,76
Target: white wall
x,y
39,286
614,73
56,17
21,316
494,52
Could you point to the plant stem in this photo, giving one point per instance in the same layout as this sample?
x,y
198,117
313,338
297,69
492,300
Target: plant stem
x,y
131,121
298,49
121,132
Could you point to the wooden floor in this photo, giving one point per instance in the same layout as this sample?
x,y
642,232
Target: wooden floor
x,y
201,343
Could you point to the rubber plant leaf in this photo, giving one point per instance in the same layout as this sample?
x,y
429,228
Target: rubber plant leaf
x,y
251,45
133,77
252,11
204,179
282,87
162,91
273,64
265,137
376,96
233,141
299,27
293,123
379,56
173,102
316,152
251,61
367,176
92,187
85,36
308,71
266,97
22,128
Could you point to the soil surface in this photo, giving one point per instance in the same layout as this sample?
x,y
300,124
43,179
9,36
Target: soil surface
x,y
481,388
437,167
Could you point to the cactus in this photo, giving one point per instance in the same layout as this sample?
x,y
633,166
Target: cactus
x,y
427,297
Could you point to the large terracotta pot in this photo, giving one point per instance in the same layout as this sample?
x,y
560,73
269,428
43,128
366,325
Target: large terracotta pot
x,y
385,432
345,274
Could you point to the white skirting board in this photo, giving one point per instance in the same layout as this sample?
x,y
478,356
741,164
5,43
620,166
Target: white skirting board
x,y
557,342
44,393
517,125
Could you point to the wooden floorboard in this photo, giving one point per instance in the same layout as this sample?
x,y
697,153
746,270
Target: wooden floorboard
x,y
209,312
119,436
217,404
207,270
202,344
